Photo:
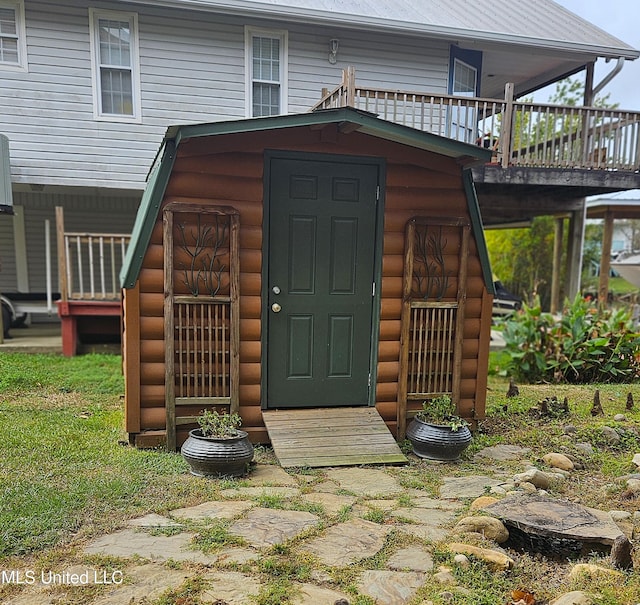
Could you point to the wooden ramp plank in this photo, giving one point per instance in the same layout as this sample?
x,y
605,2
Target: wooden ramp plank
x,y
335,436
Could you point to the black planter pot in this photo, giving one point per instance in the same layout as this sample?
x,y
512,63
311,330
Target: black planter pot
x,y
216,456
437,442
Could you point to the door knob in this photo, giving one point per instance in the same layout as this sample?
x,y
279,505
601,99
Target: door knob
x,y
276,308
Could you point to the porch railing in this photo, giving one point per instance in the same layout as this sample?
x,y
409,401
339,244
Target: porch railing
x,y
521,133
89,263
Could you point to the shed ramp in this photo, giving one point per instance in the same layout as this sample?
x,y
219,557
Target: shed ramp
x,y
343,436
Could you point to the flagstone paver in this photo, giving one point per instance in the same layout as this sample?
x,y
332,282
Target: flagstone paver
x,y
310,594
270,474
152,520
370,483
31,597
146,582
230,587
128,543
503,452
385,505
418,499
390,587
237,555
212,510
425,532
345,543
425,516
257,492
411,559
472,486
267,526
332,504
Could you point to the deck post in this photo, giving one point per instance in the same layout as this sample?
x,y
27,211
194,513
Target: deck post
x,y
605,259
507,125
557,259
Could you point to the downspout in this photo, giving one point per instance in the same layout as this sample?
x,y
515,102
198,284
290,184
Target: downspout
x,y
612,74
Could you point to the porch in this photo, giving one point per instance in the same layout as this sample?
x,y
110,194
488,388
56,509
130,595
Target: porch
x,y
545,155
546,158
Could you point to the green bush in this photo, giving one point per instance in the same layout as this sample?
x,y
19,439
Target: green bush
x,y
585,345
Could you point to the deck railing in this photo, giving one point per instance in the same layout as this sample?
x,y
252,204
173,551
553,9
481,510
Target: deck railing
x,y
89,263
521,133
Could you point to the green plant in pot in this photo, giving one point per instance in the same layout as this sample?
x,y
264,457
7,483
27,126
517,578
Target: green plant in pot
x,y
437,432
218,448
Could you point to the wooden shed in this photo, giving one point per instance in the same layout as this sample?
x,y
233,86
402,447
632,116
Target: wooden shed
x,y
322,272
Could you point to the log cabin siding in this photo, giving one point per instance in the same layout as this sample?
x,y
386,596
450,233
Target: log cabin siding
x,y
228,170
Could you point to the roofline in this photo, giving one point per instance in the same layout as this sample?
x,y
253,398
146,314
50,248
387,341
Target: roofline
x,y
366,22
357,119
347,117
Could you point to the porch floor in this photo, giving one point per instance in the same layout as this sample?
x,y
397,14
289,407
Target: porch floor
x,y
331,437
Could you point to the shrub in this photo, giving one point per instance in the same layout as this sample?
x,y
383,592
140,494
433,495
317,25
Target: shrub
x,y
585,345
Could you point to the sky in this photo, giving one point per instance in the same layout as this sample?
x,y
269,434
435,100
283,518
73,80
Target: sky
x,y
620,18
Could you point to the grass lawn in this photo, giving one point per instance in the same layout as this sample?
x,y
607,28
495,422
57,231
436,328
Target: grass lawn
x,y
68,474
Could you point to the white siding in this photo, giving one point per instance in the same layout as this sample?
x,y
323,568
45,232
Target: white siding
x,y
191,70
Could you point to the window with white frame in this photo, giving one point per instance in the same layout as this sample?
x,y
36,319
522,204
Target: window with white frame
x,y
114,50
266,64
13,36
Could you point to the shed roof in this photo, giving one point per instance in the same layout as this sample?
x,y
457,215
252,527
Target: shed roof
x,y
540,24
347,118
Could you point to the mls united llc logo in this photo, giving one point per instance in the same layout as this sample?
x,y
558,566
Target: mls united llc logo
x,y
66,578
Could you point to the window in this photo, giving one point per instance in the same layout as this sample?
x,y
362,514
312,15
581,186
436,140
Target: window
x,y
266,72
13,46
114,50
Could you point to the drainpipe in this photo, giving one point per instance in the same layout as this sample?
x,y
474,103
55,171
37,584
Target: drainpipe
x,y
612,74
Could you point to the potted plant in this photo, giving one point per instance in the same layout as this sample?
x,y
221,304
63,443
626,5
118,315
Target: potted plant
x,y
218,448
437,432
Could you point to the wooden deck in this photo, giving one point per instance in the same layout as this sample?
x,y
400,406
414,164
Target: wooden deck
x,y
331,437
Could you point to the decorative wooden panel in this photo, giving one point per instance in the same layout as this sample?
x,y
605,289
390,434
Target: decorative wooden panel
x,y
434,294
202,332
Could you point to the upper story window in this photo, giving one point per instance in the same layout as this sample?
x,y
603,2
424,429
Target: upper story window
x,y
266,64
13,36
114,51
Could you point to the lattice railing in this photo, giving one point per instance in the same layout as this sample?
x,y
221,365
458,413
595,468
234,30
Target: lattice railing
x,y
433,295
431,348
202,349
202,329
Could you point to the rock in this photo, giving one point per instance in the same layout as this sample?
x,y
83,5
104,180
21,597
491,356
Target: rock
x,y
586,449
444,576
577,597
636,459
535,476
621,553
503,452
554,527
581,570
611,435
557,460
569,429
619,515
461,561
620,418
633,485
489,527
527,487
482,501
494,559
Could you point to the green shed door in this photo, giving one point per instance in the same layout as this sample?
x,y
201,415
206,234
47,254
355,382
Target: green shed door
x,y
322,225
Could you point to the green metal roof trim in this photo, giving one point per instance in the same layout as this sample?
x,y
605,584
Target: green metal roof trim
x,y
364,122
147,214
478,230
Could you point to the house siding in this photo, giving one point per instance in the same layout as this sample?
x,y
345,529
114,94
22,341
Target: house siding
x,y
229,171
191,71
